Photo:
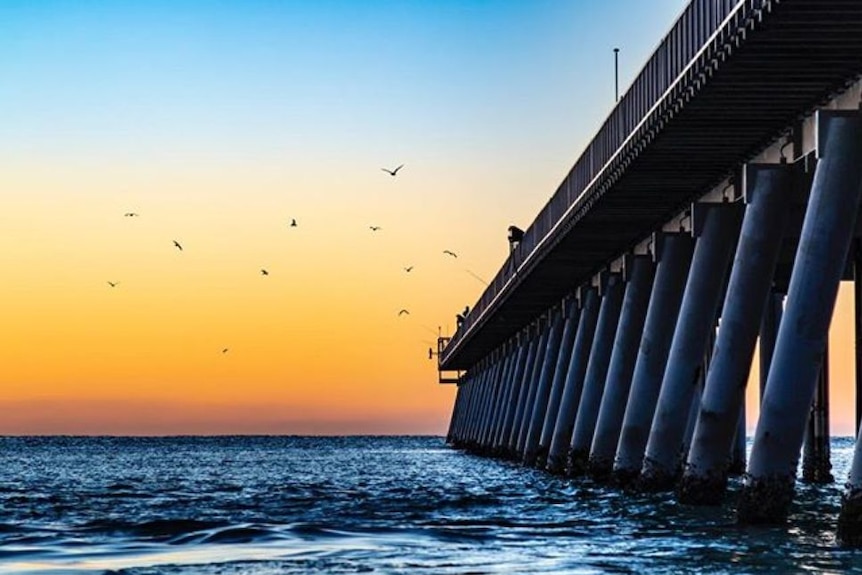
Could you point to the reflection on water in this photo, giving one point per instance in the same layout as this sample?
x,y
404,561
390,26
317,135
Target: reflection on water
x,y
256,506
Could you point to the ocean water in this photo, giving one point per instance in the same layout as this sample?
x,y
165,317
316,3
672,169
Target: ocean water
x,y
286,505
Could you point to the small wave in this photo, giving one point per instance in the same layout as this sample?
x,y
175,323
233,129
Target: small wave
x,y
315,531
156,529
120,486
7,528
239,534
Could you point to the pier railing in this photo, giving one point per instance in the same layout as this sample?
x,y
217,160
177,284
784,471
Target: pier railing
x,y
698,26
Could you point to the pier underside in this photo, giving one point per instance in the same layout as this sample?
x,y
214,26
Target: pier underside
x,y
717,207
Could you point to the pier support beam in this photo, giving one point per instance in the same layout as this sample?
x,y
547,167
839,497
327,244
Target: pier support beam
x,y
768,193
640,271
736,458
565,423
674,258
736,465
594,381
850,519
543,391
768,333
509,390
469,407
467,411
521,400
499,398
541,351
456,410
823,248
480,405
716,230
490,385
694,410
857,309
571,312
510,405
816,464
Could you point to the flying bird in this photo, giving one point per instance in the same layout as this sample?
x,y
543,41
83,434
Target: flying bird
x,y
225,350
263,272
374,228
293,223
408,269
453,254
131,215
113,284
403,312
392,172
177,245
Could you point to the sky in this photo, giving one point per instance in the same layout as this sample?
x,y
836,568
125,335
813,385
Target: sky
x,y
220,122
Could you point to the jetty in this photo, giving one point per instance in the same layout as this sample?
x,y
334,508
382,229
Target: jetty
x,y
717,206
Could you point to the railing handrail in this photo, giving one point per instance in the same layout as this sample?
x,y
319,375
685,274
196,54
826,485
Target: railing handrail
x,y
692,31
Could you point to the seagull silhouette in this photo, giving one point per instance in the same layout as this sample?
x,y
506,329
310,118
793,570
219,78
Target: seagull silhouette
x,y
392,172
130,215
453,254
403,312
113,284
408,269
374,228
177,245
293,223
263,272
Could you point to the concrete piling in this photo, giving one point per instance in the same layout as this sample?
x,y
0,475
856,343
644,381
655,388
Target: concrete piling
x,y
716,233
816,463
486,413
565,423
850,518
514,386
594,379
674,254
543,390
736,463
480,405
499,398
640,271
768,190
567,342
823,248
857,312
536,371
466,388
521,399
768,332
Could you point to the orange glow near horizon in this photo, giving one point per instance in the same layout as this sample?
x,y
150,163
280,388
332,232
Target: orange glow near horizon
x,y
219,123
314,347
842,370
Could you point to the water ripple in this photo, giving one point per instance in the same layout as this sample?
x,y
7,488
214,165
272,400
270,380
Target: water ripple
x,y
261,505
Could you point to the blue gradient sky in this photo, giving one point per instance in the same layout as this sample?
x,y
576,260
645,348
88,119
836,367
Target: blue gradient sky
x,y
322,81
220,121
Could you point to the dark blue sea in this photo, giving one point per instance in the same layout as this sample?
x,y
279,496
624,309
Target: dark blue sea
x,y
273,505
